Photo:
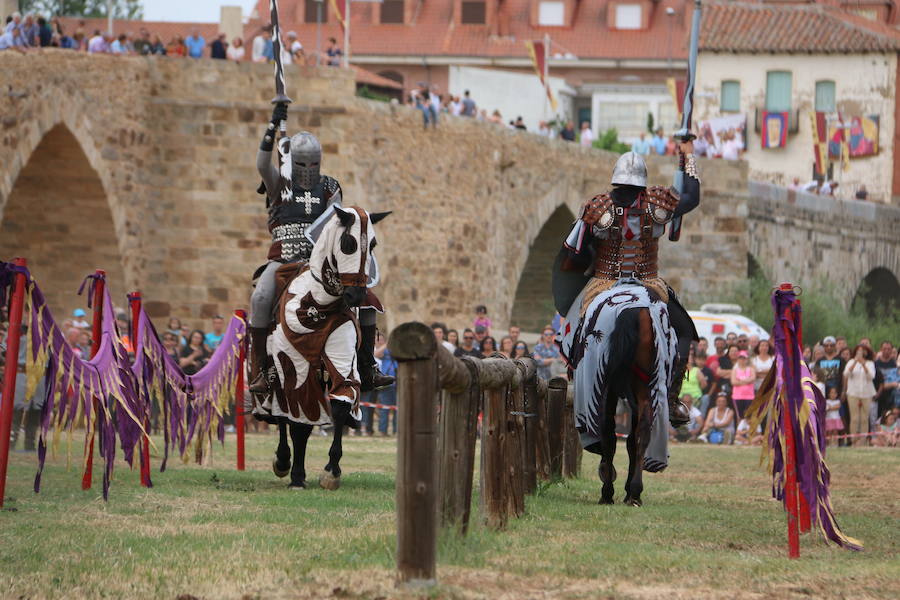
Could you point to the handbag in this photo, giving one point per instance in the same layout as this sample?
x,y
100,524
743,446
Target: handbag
x,y
716,436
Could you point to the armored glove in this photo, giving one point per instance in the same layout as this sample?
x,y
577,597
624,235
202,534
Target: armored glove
x,y
279,114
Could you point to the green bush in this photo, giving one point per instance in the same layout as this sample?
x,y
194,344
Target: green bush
x,y
365,92
610,141
823,314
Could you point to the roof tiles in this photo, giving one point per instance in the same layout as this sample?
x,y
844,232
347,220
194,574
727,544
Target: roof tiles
x,y
771,28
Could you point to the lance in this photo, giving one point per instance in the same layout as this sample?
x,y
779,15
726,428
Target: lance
x,y
284,142
684,134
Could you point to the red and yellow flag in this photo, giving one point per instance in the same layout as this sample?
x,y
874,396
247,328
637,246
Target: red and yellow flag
x,y
820,141
538,52
340,9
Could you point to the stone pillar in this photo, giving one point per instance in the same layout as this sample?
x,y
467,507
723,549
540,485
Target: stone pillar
x,y
231,22
8,7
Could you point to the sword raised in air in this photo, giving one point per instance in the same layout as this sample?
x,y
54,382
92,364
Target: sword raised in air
x,y
684,134
284,142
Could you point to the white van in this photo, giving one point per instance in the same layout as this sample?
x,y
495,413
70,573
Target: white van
x,y
718,320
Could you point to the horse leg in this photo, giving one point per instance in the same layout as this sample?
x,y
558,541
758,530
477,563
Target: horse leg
x,y
281,462
299,436
642,418
331,477
340,360
606,470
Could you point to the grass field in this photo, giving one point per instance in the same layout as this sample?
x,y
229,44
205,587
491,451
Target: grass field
x,y
708,528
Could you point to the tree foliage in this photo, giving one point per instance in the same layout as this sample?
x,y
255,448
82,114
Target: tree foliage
x,y
823,313
121,9
610,141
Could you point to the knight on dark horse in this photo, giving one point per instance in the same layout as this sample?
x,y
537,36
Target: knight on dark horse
x,y
289,217
312,319
626,335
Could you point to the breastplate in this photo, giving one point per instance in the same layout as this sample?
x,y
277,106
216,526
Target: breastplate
x,y
627,238
305,206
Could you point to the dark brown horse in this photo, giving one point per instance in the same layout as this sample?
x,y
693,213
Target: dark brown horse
x,y
630,371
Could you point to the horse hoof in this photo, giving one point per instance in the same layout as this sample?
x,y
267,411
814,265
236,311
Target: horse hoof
x,y
607,472
279,472
297,486
606,501
329,481
635,502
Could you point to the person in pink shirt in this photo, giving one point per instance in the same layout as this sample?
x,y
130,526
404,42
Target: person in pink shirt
x,y
743,376
481,319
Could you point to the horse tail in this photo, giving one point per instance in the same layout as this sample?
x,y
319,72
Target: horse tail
x,y
623,345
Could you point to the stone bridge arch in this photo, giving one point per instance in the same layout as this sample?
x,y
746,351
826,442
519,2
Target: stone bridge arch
x,y
58,215
879,291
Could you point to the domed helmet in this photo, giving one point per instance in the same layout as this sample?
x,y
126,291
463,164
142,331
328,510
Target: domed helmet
x,y
306,156
630,169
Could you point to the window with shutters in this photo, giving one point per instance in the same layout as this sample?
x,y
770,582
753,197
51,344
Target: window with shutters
x,y
778,91
311,10
731,97
473,13
392,11
551,14
825,96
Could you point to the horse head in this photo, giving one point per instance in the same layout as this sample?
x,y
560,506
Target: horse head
x,y
341,257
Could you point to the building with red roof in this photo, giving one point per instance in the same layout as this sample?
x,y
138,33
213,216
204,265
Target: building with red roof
x,y
809,89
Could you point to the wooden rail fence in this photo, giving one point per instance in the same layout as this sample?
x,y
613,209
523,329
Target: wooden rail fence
x,y
527,435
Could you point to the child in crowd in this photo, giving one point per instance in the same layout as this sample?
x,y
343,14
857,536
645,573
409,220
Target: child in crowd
x,y
481,319
833,422
888,429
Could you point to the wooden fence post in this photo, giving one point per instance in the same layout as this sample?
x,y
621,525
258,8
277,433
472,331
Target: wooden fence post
x,y
461,402
556,407
572,444
413,346
542,434
528,370
495,376
515,432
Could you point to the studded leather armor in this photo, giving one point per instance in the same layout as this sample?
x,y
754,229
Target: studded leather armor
x,y
288,220
626,238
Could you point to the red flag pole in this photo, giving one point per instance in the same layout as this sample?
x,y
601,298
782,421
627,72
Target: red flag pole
x,y
14,333
135,300
96,331
790,464
239,398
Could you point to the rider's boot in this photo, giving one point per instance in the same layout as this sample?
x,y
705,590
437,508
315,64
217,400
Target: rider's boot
x,y
259,384
678,413
370,376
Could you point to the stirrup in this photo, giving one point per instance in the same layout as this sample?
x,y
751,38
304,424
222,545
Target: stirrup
x,y
678,413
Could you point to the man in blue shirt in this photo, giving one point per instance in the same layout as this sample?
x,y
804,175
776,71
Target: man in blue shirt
x,y
195,44
659,142
641,146
214,337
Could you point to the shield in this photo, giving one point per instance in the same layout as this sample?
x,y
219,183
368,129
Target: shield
x,y
567,282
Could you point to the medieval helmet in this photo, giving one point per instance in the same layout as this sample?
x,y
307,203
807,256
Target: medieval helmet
x,y
306,156
630,170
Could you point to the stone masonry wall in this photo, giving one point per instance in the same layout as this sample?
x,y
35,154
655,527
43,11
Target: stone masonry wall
x,y
173,144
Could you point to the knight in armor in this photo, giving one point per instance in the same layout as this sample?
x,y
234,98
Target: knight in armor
x,y
289,217
617,237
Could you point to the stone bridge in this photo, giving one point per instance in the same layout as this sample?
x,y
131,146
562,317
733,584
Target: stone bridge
x,y
145,167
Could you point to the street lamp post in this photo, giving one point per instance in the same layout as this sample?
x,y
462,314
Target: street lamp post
x,y
319,32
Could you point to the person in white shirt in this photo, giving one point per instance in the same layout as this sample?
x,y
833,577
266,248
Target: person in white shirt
x,y
258,50
440,334
587,135
859,389
236,51
296,47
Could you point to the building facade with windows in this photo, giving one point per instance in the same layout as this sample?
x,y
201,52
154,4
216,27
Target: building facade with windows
x,y
609,59
759,59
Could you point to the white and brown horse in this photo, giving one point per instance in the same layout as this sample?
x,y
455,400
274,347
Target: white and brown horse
x,y
314,341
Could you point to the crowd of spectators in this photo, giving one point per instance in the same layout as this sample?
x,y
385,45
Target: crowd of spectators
x,y
30,32
861,387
